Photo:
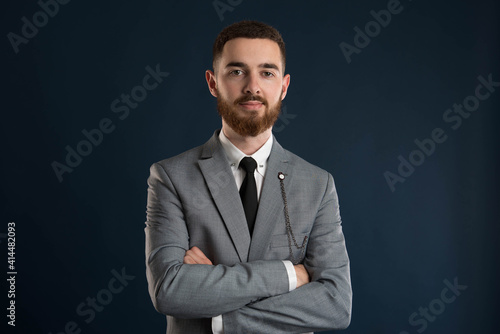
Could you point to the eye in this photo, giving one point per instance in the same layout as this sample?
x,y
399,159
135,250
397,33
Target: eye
x,y
268,74
236,72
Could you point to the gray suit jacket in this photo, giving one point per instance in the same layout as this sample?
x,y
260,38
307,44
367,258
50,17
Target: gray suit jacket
x,y
193,200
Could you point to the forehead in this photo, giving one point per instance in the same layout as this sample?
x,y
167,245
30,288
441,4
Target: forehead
x,y
251,51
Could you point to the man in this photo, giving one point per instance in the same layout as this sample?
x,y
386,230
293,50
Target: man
x,y
242,236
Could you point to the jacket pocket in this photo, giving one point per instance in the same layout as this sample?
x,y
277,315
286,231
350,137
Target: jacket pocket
x,y
279,248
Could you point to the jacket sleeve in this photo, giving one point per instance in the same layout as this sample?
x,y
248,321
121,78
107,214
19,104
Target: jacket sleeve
x,y
325,302
196,291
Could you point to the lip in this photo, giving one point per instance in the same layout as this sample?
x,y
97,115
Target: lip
x,y
251,105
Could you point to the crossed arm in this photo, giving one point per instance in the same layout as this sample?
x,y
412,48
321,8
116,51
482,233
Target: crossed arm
x,y
252,296
196,256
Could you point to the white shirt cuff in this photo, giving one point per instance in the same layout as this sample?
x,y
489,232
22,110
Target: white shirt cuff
x,y
217,325
292,276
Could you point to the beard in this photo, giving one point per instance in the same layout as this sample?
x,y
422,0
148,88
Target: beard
x,y
248,123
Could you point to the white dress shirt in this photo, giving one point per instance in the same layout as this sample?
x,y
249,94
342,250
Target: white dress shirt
x,y
234,156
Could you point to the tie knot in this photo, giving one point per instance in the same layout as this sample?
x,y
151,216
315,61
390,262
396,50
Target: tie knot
x,y
248,164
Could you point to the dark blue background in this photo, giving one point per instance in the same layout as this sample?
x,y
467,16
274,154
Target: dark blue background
x,y
353,120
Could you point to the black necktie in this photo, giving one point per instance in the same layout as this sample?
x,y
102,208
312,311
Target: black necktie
x,y
248,192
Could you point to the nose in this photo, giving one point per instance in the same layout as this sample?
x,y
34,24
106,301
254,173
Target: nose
x,y
252,85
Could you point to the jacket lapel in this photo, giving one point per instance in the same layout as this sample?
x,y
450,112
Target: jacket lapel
x,y
220,181
270,202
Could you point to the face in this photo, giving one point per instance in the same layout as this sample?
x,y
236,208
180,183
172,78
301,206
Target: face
x,y
249,85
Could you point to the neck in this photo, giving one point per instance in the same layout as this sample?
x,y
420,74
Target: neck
x,y
248,145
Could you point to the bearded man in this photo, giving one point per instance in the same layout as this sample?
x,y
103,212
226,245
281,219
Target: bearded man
x,y
243,236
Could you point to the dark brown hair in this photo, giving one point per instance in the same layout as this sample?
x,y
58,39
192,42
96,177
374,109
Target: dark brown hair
x,y
248,29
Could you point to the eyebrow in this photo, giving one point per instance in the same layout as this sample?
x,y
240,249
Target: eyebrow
x,y
240,64
268,65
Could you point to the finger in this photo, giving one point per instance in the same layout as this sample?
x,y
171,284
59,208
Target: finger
x,y
198,256
198,252
189,260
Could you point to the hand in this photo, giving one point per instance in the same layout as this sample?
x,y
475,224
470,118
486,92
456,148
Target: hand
x,y
195,256
302,275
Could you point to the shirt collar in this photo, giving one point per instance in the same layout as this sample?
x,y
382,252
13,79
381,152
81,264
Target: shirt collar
x,y
234,155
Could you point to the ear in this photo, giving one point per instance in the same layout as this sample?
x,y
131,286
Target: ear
x,y
285,84
211,82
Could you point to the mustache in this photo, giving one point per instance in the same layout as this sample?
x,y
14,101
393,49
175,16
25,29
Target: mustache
x,y
247,98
